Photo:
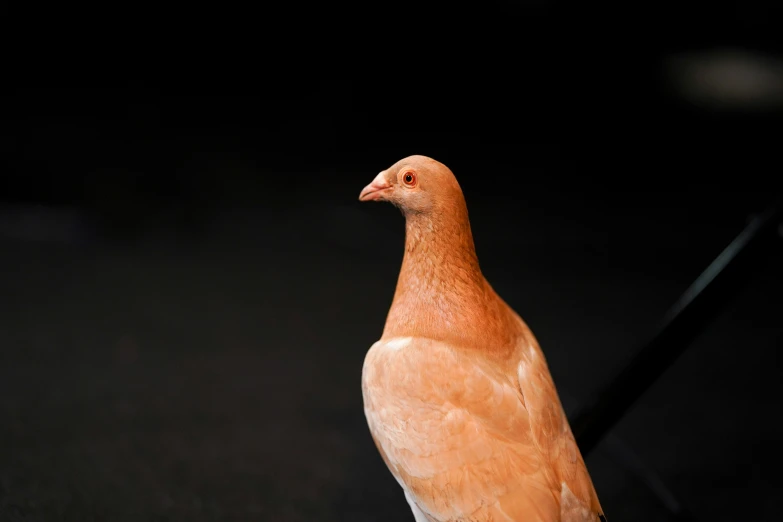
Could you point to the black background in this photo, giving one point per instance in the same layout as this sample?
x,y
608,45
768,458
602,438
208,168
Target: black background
x,y
189,284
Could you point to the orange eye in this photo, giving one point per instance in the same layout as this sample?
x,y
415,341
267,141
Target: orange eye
x,y
409,178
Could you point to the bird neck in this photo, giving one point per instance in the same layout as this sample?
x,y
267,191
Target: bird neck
x,y
440,283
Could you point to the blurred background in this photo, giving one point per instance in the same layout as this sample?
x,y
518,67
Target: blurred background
x,y
188,284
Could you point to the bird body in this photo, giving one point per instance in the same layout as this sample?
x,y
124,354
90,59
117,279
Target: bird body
x,y
457,393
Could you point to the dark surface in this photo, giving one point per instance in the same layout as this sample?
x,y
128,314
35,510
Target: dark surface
x,y
219,379
189,284
685,320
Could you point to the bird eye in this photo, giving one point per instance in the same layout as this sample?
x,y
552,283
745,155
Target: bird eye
x,y
409,178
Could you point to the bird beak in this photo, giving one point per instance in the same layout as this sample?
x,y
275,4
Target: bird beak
x,y
374,190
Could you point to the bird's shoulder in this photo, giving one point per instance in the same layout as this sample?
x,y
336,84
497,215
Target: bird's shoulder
x,y
458,381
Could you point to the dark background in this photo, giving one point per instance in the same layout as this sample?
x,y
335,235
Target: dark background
x,y
189,284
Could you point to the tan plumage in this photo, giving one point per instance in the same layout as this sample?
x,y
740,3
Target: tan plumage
x,y
457,393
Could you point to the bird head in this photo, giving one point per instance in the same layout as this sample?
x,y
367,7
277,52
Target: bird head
x,y
416,185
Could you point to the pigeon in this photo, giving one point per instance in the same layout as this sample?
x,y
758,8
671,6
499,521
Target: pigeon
x,y
457,393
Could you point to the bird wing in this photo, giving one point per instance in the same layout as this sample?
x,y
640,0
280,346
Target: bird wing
x,y
553,438
461,436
